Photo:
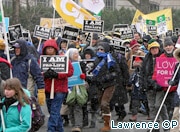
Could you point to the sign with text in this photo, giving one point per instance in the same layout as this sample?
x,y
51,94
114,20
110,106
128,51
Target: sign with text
x,y
56,62
75,79
42,32
161,25
93,26
70,33
56,32
164,70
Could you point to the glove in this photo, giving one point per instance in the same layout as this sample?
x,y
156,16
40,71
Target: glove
x,y
1,105
47,74
157,87
171,82
50,74
83,76
41,96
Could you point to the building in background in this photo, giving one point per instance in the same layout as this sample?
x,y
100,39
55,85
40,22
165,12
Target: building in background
x,y
110,4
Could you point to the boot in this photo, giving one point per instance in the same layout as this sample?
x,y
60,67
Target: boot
x,y
133,118
66,120
93,120
106,127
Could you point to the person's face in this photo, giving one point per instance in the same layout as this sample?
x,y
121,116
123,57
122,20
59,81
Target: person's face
x,y
50,51
94,42
9,92
63,45
17,51
136,36
87,56
145,44
101,50
135,49
154,50
169,48
76,56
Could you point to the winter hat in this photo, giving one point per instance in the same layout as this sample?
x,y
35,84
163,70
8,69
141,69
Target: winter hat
x,y
153,43
104,45
2,44
95,36
168,41
146,38
134,43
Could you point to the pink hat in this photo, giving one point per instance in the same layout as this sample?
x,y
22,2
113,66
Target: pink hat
x,y
134,43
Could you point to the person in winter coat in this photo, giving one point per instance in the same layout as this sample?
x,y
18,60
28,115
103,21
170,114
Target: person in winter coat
x,y
14,120
169,48
120,95
154,91
175,82
25,65
104,76
60,88
78,113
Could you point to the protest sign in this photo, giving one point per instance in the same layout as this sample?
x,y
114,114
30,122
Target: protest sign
x,y
164,70
56,62
42,32
15,32
75,79
70,33
93,26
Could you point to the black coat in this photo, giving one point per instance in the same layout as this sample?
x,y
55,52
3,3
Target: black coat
x,y
120,94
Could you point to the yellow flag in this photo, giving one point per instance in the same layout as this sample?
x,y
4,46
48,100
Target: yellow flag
x,y
72,13
139,16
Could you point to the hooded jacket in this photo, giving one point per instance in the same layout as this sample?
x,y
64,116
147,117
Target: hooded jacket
x,y
61,83
20,66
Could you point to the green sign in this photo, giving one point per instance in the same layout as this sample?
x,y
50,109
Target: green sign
x,y
161,18
150,22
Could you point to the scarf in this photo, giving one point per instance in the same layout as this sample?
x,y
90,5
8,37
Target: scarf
x,y
106,57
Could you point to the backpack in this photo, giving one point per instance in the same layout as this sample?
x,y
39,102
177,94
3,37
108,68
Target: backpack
x,y
38,118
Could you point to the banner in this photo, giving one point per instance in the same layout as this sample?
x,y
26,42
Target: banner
x,y
48,22
72,13
140,19
94,6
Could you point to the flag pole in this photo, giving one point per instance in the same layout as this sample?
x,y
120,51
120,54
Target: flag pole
x,y
5,38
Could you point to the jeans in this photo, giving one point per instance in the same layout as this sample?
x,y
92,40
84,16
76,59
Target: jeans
x,y
55,122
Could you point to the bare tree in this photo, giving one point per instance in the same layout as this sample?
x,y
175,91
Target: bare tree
x,y
143,5
16,10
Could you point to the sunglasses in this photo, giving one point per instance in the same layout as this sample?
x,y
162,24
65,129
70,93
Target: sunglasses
x,y
101,49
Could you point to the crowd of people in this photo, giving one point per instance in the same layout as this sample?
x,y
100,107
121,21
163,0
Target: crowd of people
x,y
115,80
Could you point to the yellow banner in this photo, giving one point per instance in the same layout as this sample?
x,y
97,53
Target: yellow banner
x,y
72,13
48,22
139,17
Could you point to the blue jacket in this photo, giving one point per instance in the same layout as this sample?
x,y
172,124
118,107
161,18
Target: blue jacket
x,y
16,121
21,66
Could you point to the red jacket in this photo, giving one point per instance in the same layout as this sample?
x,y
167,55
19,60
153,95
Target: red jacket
x,y
61,83
173,88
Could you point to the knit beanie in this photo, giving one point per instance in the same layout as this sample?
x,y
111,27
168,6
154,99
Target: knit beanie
x,y
168,41
152,43
134,43
105,46
2,44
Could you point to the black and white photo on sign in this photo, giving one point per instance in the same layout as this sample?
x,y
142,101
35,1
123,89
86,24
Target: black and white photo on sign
x,y
27,36
89,66
55,62
56,32
15,32
135,59
93,26
42,32
70,33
